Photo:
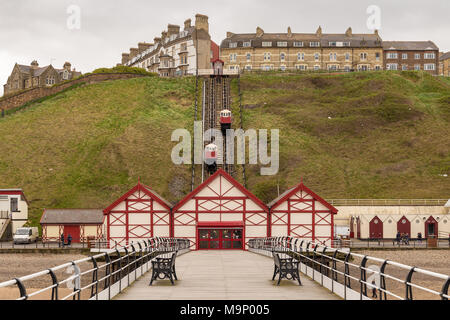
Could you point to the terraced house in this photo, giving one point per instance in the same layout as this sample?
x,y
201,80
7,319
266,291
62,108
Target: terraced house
x,y
176,52
302,51
26,77
444,64
411,55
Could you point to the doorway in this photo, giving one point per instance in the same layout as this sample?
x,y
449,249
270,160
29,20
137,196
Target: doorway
x,y
431,227
74,231
220,239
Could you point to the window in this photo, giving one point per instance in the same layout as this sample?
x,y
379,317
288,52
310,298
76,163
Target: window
x,y
332,44
429,66
377,67
247,44
347,68
316,56
300,56
429,56
233,44
404,56
298,44
332,67
283,67
363,56
347,56
314,44
233,57
14,204
249,56
392,66
377,55
267,56
248,67
417,67
266,44
404,67
301,67
392,55
282,44
316,67
417,56
184,47
333,56
346,44
282,56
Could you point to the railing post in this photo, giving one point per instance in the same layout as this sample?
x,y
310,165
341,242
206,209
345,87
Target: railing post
x,y
108,275
23,291
445,290
135,263
119,269
322,263
363,278
409,295
383,281
140,258
94,279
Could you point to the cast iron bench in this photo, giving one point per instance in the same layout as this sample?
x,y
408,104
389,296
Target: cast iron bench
x,y
286,268
164,268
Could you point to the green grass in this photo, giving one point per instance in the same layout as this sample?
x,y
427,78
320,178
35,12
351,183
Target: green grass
x,y
361,135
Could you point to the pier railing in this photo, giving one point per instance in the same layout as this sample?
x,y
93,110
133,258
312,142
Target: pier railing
x,y
99,277
355,276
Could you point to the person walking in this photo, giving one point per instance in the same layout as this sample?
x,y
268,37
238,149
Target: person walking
x,y
374,290
61,245
419,237
69,239
398,238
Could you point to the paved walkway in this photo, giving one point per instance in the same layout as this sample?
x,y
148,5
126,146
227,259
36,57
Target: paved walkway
x,y
225,275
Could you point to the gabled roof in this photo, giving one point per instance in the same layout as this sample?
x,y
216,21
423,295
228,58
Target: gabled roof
x,y
445,56
300,187
230,179
72,216
147,190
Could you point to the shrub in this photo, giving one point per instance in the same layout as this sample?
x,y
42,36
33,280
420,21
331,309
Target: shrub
x,y
125,69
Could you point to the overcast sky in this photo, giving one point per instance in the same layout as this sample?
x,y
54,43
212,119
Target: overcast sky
x,y
38,29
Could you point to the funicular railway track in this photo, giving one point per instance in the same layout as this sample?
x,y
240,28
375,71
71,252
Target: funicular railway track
x,y
216,98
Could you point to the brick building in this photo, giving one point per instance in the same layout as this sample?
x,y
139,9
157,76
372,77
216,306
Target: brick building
x,y
444,64
176,52
411,55
25,77
302,51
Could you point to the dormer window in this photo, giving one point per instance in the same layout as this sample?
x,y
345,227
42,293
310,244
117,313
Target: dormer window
x,y
233,44
267,44
282,44
247,44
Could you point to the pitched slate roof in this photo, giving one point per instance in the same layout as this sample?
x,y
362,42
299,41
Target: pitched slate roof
x,y
409,45
72,216
445,56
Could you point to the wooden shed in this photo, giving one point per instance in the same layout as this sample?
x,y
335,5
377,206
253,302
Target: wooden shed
x,y
81,224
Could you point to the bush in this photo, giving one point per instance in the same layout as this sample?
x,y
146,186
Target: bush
x,y
125,69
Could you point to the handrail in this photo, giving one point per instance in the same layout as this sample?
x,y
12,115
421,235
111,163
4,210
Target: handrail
x,y
130,263
387,202
320,252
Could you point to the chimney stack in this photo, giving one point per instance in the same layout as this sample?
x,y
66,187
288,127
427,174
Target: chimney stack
x,y
349,32
133,52
259,32
319,31
201,22
289,32
125,58
142,46
157,40
187,24
230,34
67,66
173,29
34,64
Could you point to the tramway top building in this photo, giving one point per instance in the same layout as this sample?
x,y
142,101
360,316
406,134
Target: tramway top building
x,y
302,51
176,52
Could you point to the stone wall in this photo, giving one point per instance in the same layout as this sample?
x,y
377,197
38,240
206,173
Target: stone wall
x,y
20,98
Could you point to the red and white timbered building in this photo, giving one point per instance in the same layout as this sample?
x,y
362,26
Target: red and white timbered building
x,y
220,214
139,214
300,213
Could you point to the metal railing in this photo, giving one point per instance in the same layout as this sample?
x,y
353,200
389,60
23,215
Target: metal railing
x,y
348,275
99,277
391,243
5,215
387,202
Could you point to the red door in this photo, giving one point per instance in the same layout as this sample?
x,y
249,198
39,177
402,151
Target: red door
x,y
220,239
431,227
74,231
358,228
404,226
352,231
376,228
